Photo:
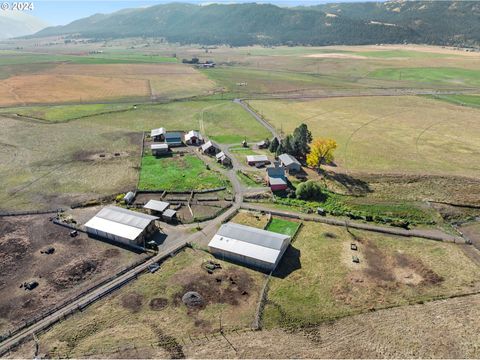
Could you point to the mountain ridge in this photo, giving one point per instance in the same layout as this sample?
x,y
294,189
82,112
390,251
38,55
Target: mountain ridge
x,y
250,23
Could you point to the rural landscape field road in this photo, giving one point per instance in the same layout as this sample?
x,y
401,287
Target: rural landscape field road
x,y
208,229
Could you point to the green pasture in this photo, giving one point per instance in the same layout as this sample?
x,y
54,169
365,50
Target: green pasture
x,y
178,173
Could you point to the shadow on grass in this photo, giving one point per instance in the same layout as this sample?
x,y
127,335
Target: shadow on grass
x,y
289,264
353,185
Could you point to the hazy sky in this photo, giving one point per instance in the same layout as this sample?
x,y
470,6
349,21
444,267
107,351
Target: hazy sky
x,y
64,12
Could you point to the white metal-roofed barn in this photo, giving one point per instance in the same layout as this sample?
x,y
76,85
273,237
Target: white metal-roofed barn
x,y
290,163
122,225
250,246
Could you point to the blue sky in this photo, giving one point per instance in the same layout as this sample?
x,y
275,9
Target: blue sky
x,y
66,11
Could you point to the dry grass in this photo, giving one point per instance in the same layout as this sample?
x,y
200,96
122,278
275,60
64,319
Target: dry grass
x,y
127,316
317,280
83,83
388,134
250,218
46,88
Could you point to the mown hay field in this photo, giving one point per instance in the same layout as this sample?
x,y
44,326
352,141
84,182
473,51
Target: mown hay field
x,y
96,82
407,135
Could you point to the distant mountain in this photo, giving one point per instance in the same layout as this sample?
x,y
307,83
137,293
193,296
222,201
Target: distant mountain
x,y
17,23
433,22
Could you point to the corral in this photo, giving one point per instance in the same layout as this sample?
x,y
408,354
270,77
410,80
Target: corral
x,y
76,264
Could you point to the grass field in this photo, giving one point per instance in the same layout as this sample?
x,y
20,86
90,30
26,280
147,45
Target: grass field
x,y
454,76
283,226
463,100
387,134
149,312
62,113
323,284
178,173
105,58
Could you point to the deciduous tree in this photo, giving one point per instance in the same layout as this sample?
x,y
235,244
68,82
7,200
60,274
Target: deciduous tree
x,y
321,152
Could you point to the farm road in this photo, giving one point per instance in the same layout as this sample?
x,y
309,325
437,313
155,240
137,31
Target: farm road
x,y
257,117
171,245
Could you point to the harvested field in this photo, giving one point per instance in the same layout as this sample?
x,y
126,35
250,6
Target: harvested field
x,y
150,313
31,89
443,329
75,265
92,82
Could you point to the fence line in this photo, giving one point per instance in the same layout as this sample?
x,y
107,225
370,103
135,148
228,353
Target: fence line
x,y
30,212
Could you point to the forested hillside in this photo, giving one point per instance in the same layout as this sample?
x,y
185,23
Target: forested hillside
x,y
432,22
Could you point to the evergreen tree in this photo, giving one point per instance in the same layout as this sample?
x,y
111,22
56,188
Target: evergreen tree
x,y
302,137
274,145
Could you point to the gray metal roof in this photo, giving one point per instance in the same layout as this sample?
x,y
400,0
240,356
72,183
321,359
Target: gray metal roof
x,y
126,217
288,159
169,213
156,205
161,146
252,235
208,145
156,132
193,133
257,158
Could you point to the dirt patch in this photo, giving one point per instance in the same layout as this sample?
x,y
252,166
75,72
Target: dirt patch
x,y
168,343
416,272
132,301
231,286
158,304
335,56
86,155
74,272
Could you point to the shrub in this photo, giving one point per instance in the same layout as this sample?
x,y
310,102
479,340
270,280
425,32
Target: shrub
x,y
310,190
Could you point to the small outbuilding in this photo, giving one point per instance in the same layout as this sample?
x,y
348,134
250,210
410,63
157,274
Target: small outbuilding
x,y
159,149
156,207
262,144
290,163
129,197
169,215
210,148
249,246
158,135
223,159
124,226
276,178
257,160
193,137
174,138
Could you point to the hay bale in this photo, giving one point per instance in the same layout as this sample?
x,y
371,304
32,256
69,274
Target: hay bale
x,y
193,299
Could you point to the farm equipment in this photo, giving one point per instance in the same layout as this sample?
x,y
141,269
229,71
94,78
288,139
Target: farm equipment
x,y
210,266
321,211
353,247
355,259
30,285
153,267
50,250
73,233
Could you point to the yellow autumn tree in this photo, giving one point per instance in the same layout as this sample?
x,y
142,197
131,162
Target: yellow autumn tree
x,y
321,151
